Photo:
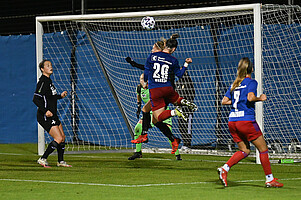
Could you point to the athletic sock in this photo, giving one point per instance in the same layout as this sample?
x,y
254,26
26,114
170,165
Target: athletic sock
x,y
165,130
173,113
60,151
269,177
265,162
51,147
164,115
146,119
226,167
236,157
138,131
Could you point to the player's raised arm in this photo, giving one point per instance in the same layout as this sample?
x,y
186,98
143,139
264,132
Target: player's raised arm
x,y
134,64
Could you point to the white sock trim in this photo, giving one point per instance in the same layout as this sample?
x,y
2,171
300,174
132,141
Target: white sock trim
x,y
269,177
173,113
226,167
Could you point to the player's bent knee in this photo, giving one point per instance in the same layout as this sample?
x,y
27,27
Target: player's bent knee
x,y
59,139
246,152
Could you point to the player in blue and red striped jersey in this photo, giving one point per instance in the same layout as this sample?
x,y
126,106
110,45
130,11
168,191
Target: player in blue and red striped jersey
x,y
242,96
158,68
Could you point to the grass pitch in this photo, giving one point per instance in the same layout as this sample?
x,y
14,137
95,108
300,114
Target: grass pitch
x,y
155,176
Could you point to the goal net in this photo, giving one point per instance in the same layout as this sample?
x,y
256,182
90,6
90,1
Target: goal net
x,y
88,54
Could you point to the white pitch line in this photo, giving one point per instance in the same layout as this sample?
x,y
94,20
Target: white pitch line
x,y
167,159
130,186
14,154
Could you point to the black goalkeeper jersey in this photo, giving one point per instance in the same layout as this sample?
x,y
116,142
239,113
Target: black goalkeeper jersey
x,y
45,96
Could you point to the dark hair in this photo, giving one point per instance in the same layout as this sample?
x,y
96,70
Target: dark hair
x,y
41,65
172,41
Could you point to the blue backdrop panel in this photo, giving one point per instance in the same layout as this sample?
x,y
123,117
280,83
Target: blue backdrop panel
x,y
18,80
282,82
17,84
113,51
61,72
229,57
100,106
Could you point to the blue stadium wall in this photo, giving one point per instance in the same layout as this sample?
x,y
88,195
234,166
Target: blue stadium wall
x,y
17,84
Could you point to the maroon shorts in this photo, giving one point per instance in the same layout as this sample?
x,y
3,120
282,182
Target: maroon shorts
x,y
161,97
244,130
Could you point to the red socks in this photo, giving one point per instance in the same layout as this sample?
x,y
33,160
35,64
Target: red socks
x,y
237,156
164,115
265,162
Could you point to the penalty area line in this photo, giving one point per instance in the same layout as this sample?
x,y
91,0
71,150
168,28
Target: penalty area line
x,y
131,186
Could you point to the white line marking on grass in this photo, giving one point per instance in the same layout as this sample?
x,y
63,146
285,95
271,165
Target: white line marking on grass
x,y
13,154
167,159
131,186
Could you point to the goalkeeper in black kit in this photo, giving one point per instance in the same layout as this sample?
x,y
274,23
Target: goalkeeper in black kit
x,y
45,98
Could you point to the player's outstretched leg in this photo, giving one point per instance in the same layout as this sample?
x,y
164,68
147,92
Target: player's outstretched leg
x,y
190,105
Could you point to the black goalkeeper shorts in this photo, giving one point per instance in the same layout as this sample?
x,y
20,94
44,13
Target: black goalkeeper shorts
x,y
48,122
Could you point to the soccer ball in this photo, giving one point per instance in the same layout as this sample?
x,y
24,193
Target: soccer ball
x,y
148,23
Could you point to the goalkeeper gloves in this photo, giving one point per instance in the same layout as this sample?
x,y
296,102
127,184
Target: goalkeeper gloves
x,y
138,109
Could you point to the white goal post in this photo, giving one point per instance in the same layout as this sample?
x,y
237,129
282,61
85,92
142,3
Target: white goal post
x,y
88,54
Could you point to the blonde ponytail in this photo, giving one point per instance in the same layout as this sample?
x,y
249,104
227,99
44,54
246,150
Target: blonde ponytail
x,y
243,65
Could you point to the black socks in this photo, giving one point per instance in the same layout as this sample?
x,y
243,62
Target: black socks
x,y
60,151
165,130
51,147
145,122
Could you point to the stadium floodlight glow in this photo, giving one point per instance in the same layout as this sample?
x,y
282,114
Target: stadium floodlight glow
x,y
88,54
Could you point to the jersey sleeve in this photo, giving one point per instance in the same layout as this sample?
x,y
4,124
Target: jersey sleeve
x,y
228,93
176,68
39,95
252,87
146,69
138,89
137,65
58,96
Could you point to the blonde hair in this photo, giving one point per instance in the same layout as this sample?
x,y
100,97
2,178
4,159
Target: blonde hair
x,y
172,38
244,68
160,44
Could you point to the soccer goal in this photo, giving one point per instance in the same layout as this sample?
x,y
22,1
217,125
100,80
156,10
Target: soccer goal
x,y
88,54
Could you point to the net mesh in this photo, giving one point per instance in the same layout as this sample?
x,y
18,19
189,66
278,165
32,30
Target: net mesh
x,y
97,116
